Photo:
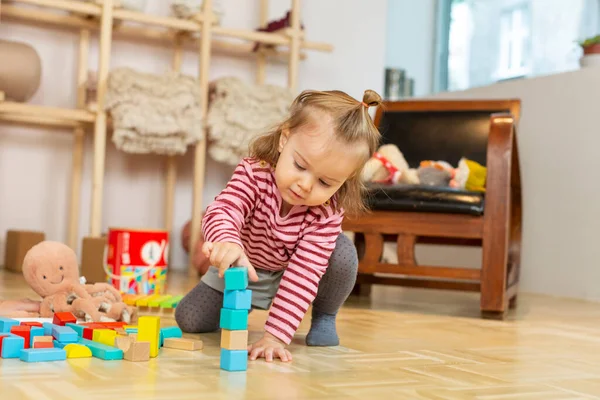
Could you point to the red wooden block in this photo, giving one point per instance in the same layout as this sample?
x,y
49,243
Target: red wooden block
x,y
113,325
88,333
63,318
43,345
32,324
24,331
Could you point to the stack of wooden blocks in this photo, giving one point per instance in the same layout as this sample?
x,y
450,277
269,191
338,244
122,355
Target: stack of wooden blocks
x,y
237,300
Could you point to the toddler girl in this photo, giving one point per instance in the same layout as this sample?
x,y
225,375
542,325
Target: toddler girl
x,y
281,215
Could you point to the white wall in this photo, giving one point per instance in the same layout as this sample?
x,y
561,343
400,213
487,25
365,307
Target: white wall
x,y
35,164
410,40
558,144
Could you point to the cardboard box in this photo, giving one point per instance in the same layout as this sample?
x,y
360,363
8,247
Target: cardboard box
x,y
18,244
92,259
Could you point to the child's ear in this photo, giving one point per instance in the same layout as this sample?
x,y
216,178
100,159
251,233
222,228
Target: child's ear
x,y
283,138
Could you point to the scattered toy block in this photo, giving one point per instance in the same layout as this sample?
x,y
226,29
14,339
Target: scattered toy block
x,y
46,339
155,302
64,334
36,331
143,302
60,345
234,319
75,350
63,318
133,350
24,332
102,351
39,355
183,344
133,336
43,345
11,346
130,299
171,332
32,323
77,328
48,328
237,299
149,331
121,331
105,336
6,324
113,325
234,360
172,302
234,340
236,278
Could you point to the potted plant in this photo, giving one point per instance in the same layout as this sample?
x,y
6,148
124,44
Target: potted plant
x,y
591,51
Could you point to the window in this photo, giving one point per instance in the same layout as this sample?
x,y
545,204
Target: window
x,y
514,54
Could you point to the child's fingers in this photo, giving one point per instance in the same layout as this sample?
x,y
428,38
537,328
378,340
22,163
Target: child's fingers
x,y
207,248
256,352
289,355
228,259
283,355
269,354
243,261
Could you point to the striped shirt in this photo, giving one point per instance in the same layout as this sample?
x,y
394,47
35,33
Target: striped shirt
x,y
247,212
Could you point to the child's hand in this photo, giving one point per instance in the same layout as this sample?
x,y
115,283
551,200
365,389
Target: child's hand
x,y
268,347
20,308
224,254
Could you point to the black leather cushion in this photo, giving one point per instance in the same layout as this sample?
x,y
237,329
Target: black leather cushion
x,y
424,199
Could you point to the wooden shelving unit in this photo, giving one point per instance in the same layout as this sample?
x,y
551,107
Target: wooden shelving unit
x,y
199,33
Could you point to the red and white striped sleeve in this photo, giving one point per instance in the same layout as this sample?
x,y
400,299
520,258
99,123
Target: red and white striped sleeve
x,y
225,216
298,287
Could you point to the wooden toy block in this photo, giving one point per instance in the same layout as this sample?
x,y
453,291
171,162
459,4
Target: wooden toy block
x,y
11,346
40,355
143,302
75,350
133,350
183,344
104,336
77,328
35,331
131,330
32,323
130,299
43,345
92,259
24,332
172,302
236,278
234,340
133,336
18,244
112,325
149,331
102,351
60,345
6,324
171,332
234,360
237,299
121,331
63,318
155,302
64,334
47,339
234,319
48,328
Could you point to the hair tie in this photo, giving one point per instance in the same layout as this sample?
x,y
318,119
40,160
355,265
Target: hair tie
x,y
365,104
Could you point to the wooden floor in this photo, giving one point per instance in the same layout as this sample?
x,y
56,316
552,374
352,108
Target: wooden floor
x,y
401,344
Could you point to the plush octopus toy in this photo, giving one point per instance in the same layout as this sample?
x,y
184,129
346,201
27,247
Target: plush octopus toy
x,y
51,270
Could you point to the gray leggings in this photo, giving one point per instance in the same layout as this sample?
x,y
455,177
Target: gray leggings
x,y
199,311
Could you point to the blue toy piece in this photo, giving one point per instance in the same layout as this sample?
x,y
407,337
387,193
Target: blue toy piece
x,y
237,299
35,331
234,360
48,328
102,351
37,355
64,334
59,345
234,320
6,324
12,346
236,278
77,328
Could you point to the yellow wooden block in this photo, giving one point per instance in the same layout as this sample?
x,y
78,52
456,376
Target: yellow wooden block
x,y
149,331
77,351
183,344
143,302
104,336
234,340
131,299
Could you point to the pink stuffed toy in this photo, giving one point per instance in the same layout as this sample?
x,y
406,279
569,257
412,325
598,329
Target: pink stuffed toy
x,y
51,269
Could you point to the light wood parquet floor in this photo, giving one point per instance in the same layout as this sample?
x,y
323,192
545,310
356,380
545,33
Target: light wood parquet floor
x,y
399,344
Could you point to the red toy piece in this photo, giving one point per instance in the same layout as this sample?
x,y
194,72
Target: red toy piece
x,y
63,318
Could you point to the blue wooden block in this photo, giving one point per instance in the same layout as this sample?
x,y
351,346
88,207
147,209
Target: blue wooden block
x,y
237,299
234,320
236,278
77,328
59,345
12,346
102,351
48,328
6,324
37,355
131,330
169,332
35,331
234,360
64,334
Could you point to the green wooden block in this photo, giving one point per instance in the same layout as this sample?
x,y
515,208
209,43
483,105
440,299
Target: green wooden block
x,y
102,351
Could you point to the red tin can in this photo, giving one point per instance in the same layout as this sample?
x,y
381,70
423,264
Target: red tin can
x,y
138,260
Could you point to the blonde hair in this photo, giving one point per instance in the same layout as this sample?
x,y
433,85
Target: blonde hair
x,y
351,122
